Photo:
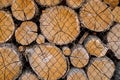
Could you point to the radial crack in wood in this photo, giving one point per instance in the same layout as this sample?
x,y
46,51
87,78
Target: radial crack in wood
x,y
101,69
96,16
59,25
26,33
47,61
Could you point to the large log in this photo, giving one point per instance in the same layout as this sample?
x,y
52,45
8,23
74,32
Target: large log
x,y
10,64
47,61
76,74
95,46
79,56
74,3
100,69
7,26
26,33
59,25
48,2
113,38
24,9
96,16
116,14
28,76
5,3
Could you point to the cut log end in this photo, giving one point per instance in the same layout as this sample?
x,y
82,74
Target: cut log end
x,y
50,64
95,47
26,33
101,69
79,56
74,3
5,3
24,9
116,14
7,26
76,74
40,39
59,29
66,51
96,16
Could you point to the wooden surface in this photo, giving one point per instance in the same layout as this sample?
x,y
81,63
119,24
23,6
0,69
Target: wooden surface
x,y
96,16
40,39
7,26
116,14
26,33
5,3
58,29
48,61
66,51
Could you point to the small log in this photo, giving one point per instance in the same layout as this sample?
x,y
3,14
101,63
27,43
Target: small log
x,y
48,2
113,38
76,74
26,33
116,14
24,9
101,69
96,16
66,51
10,64
95,46
59,25
28,76
74,3
112,3
7,26
79,56
21,48
47,61
40,39
5,3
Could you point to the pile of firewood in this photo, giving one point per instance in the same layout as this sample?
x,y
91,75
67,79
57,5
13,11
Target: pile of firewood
x,y
59,39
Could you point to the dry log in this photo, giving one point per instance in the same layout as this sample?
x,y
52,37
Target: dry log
x,y
96,16
21,48
112,3
66,51
10,64
101,69
59,25
76,74
26,33
7,26
79,56
95,46
48,2
113,38
5,3
116,14
24,9
40,39
47,61
74,3
28,76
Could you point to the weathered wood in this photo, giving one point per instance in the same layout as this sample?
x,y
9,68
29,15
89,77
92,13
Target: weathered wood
x,y
40,39
112,3
101,69
28,76
76,74
48,2
10,64
24,9
79,56
83,37
66,51
116,14
59,25
47,61
26,33
95,46
96,16
74,3
7,26
113,38
5,3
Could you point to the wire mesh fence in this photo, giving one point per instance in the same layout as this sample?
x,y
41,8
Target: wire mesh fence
x,y
59,40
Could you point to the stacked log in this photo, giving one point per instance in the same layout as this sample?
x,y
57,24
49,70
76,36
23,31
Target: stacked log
x,y
116,14
5,3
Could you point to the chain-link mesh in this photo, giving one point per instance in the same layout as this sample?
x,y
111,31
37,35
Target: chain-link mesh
x,y
59,39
